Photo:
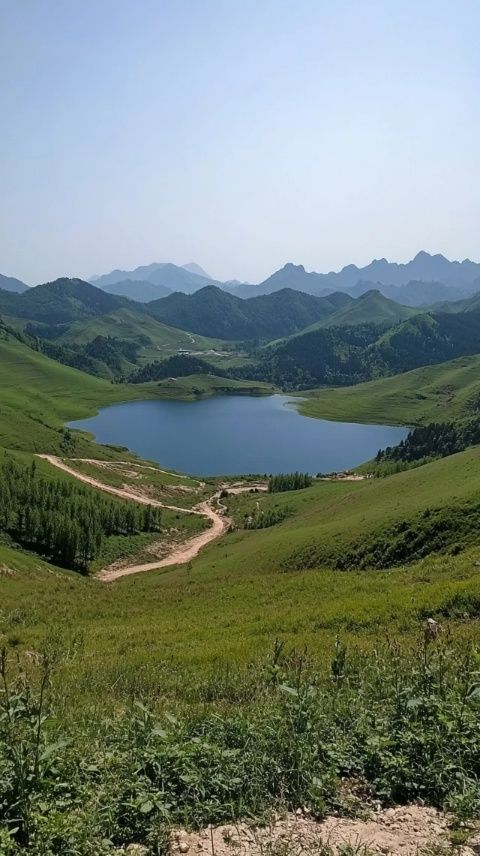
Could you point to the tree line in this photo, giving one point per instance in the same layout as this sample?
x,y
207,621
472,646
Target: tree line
x,y
62,521
288,481
435,440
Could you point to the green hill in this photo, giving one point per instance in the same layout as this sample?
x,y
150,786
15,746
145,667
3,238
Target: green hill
x,y
213,312
60,302
157,340
38,395
341,356
75,313
435,393
370,308
245,591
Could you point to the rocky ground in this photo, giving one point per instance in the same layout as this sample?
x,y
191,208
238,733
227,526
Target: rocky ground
x,y
405,830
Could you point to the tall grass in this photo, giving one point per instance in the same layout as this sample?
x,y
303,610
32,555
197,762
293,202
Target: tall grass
x,y
399,726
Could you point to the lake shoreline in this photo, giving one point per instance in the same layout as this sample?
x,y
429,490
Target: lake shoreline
x,y
237,434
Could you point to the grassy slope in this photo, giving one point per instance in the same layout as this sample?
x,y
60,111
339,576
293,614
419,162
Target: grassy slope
x,y
169,632
202,386
38,395
428,394
370,308
130,324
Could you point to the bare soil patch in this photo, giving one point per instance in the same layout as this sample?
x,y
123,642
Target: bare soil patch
x,y
403,830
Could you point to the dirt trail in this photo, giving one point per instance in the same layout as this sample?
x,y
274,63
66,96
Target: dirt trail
x,y
106,464
123,493
180,554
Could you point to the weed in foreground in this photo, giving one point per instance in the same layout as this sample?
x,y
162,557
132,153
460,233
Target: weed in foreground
x,y
399,727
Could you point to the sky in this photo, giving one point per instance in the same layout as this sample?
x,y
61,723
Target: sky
x,y
240,134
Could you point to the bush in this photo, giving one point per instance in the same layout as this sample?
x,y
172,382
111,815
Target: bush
x,y
406,726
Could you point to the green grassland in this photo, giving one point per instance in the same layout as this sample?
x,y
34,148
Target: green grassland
x,y
39,395
252,702
171,632
428,394
131,325
371,308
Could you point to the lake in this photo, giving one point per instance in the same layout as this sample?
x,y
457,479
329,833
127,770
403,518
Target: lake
x,y
237,435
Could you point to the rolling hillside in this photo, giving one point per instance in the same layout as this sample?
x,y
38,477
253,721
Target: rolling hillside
x,y
40,394
60,302
242,594
435,393
73,312
370,308
345,355
213,312
157,340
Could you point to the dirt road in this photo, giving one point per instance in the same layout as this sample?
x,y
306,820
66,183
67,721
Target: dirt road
x,y
123,493
180,554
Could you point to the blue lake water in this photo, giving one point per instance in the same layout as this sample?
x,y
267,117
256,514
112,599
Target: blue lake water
x,y
237,435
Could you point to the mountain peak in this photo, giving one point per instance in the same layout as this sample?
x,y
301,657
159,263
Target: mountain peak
x,y
421,255
290,266
192,267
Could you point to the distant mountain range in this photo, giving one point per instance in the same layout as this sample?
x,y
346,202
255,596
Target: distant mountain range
x,y
406,283
425,280
9,283
334,339
149,282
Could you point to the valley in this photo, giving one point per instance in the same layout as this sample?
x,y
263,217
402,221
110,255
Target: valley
x,y
194,594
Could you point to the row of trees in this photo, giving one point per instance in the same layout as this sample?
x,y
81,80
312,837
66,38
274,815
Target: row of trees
x,y
288,481
435,440
64,521
179,365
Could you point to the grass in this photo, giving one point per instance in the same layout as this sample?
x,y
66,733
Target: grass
x,y
390,728
171,632
132,326
429,394
203,386
247,731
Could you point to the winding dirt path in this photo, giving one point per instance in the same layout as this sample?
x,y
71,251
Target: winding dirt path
x,y
107,464
180,554
123,493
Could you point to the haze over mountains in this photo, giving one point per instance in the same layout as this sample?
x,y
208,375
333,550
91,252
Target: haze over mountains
x,y
425,280
10,283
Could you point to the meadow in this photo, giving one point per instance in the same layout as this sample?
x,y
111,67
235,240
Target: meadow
x,y
156,633
428,394
242,682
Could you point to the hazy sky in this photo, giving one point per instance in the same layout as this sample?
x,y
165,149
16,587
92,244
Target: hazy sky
x,y
241,134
